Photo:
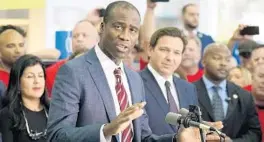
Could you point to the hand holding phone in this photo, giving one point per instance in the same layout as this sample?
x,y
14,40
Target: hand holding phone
x,y
250,30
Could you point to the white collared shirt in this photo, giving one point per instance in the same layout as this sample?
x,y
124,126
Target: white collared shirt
x,y
161,82
108,67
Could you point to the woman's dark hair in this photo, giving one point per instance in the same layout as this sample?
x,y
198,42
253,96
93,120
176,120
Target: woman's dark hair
x,y
13,97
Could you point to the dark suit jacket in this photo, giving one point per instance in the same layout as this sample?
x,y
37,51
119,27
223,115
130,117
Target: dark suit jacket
x,y
157,107
2,91
82,102
241,123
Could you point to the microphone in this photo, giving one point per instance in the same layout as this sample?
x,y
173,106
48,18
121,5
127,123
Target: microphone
x,y
176,119
184,112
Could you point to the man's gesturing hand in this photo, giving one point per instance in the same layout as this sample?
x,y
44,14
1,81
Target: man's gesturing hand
x,y
124,119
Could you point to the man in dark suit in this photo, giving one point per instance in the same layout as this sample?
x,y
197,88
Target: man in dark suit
x,y
221,100
97,98
164,91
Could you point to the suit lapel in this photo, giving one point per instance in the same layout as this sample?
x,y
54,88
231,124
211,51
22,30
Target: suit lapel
x,y
204,99
155,90
100,81
233,95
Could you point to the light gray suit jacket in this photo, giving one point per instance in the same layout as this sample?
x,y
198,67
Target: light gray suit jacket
x,y
82,102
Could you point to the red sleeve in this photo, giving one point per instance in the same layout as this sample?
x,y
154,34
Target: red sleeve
x,y
51,75
4,77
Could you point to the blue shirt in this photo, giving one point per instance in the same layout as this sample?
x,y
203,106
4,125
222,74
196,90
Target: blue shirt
x,y
221,91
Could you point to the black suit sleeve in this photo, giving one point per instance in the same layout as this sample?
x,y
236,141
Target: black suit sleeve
x,y
253,133
5,126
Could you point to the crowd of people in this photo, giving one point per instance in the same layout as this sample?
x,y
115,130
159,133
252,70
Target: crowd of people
x,y
97,94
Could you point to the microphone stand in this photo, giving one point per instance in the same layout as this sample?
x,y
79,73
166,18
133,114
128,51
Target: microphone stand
x,y
200,121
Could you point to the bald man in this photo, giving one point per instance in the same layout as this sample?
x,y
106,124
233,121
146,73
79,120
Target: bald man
x,y
258,85
221,100
257,56
258,91
84,37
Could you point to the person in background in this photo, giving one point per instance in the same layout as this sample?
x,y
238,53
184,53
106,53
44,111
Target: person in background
x,y
165,92
233,63
191,58
190,18
258,85
25,113
257,56
131,58
245,42
221,100
245,48
84,37
12,46
241,77
257,91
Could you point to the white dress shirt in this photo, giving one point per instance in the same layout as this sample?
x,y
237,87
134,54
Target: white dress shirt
x,y
161,82
108,67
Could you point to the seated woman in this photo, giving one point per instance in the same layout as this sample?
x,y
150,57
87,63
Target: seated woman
x,y
25,113
241,77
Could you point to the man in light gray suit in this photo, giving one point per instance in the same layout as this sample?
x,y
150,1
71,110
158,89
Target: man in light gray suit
x,y
97,98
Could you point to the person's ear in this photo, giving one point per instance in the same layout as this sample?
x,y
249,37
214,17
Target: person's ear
x,y
101,28
150,49
203,61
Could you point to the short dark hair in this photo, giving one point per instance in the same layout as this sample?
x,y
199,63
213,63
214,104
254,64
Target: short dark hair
x,y
184,9
118,4
167,31
12,27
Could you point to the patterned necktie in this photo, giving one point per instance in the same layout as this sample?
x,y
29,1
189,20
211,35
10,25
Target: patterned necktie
x,y
127,134
217,105
171,101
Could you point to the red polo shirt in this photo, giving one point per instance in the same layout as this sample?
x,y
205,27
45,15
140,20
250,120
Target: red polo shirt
x,y
195,77
4,77
51,72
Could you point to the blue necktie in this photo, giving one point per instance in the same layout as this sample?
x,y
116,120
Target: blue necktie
x,y
217,105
